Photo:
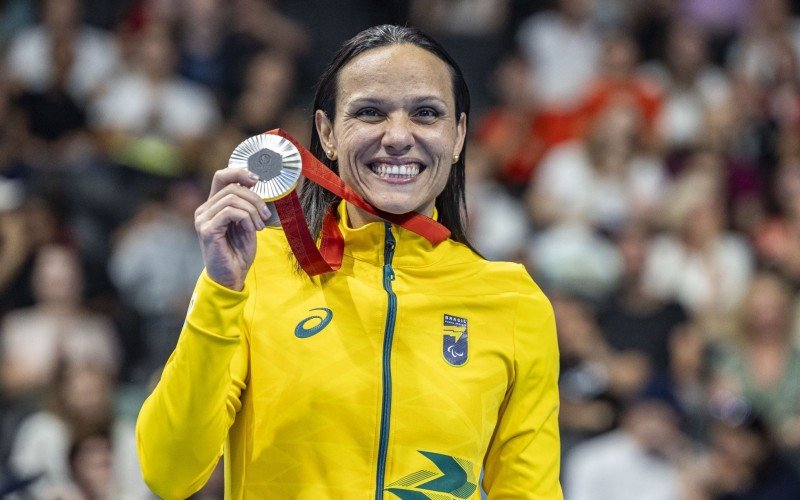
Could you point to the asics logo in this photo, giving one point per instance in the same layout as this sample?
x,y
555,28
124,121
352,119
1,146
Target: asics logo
x,y
312,325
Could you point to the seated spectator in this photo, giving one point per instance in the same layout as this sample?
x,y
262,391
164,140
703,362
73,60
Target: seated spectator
x,y
604,181
635,320
264,101
594,382
81,411
498,227
743,461
619,81
157,284
57,327
639,460
563,48
699,264
518,131
777,238
263,104
691,86
573,258
56,122
30,61
150,118
762,363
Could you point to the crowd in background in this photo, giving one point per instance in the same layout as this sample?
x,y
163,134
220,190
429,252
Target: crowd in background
x,y
640,157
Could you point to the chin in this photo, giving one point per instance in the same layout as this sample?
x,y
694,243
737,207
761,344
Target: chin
x,y
394,208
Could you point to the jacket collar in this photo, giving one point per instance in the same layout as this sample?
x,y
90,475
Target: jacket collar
x,y
367,243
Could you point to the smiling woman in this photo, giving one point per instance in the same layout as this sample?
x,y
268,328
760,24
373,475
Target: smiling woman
x,y
398,133
410,372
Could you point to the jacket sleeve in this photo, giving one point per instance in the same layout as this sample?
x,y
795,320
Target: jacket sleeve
x,y
523,458
183,425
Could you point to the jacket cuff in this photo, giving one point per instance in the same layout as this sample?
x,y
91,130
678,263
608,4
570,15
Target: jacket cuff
x,y
215,309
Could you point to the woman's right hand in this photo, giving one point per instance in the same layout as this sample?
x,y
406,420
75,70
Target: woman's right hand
x,y
226,225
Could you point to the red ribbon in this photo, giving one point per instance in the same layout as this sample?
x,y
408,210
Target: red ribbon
x,y
328,257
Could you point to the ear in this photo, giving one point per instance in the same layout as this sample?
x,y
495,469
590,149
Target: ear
x,y
325,131
461,134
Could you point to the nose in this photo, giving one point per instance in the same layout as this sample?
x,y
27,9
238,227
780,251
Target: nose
x,y
398,137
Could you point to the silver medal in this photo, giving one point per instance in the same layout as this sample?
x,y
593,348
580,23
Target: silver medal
x,y
274,159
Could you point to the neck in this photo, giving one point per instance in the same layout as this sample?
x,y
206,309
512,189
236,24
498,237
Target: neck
x,y
358,217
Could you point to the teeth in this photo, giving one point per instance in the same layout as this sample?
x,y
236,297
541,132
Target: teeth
x,y
396,171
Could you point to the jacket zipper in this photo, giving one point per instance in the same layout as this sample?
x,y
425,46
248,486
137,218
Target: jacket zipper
x,y
388,333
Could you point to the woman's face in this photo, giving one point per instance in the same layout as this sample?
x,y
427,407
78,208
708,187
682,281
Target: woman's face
x,y
395,130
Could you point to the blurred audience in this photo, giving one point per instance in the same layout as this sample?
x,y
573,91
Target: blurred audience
x,y
62,48
638,460
57,327
563,47
77,447
762,363
155,283
698,263
150,118
642,159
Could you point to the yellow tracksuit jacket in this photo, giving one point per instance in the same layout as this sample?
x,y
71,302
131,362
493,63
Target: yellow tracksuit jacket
x,y
403,375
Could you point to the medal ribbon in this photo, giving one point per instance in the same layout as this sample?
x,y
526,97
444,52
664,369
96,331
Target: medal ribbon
x,y
328,257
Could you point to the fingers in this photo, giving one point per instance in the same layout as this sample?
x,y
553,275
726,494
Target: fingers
x,y
231,201
227,176
239,198
219,223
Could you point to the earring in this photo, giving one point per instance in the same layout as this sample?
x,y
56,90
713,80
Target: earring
x,y
331,154
455,158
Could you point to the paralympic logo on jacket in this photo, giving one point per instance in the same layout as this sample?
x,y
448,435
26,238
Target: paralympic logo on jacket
x,y
455,348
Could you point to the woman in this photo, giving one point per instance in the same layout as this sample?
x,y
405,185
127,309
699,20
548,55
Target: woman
x,y
408,372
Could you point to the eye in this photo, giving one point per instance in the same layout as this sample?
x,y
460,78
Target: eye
x,y
369,114
426,115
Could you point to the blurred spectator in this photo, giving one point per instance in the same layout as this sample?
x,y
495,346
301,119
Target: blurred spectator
x,y
620,83
762,364
56,123
635,320
14,247
777,239
80,416
639,460
564,50
150,118
573,258
605,181
691,86
517,132
264,104
758,52
256,26
24,231
498,227
650,22
264,101
594,381
471,30
721,21
743,461
90,465
699,264
57,327
155,283
31,58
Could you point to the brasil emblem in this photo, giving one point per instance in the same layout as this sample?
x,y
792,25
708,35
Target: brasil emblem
x,y
454,340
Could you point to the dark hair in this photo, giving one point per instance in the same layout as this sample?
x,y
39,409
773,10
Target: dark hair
x,y
451,203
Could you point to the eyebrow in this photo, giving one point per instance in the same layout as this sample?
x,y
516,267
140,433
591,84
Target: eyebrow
x,y
414,100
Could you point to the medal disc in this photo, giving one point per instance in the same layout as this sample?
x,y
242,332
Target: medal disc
x,y
274,159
